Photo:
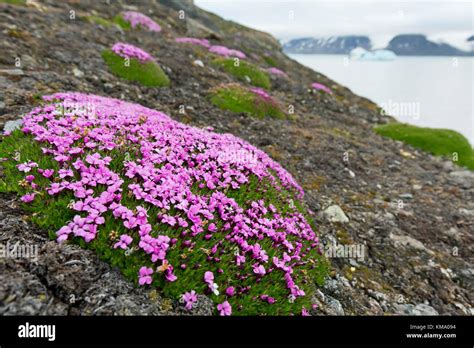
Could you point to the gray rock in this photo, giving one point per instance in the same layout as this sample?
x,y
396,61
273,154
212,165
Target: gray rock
x,y
28,62
463,178
198,62
12,72
331,285
406,196
203,306
10,126
448,166
333,306
453,232
407,241
466,212
4,82
353,263
351,173
334,213
379,296
196,29
77,72
419,309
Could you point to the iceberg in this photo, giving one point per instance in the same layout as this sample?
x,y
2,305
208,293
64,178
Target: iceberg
x,y
359,53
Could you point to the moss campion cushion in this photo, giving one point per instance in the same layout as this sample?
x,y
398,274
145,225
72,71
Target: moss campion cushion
x,y
179,208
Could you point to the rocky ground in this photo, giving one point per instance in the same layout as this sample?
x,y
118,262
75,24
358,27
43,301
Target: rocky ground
x,y
412,213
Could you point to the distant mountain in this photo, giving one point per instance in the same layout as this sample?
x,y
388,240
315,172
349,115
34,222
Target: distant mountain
x,y
401,45
330,45
419,45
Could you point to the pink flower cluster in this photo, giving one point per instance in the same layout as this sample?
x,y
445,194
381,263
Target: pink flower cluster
x,y
226,52
170,158
125,50
139,19
277,72
264,95
193,41
216,49
321,87
261,92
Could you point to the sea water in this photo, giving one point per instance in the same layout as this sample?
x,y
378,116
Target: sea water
x,y
433,92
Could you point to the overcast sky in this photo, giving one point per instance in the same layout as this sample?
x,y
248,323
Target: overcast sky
x,y
444,20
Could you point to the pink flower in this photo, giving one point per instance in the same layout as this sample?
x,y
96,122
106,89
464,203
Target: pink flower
x,y
145,229
30,178
193,41
28,197
321,87
124,241
169,275
65,173
189,298
226,52
209,277
261,92
277,72
224,309
209,280
139,19
129,51
258,269
47,173
239,259
27,166
230,291
304,312
267,299
145,275
170,220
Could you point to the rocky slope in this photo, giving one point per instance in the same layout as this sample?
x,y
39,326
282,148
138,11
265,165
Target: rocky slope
x,y
412,213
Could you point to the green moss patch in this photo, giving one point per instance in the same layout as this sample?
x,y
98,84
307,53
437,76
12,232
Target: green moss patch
x,y
439,142
148,74
13,2
270,60
99,20
237,98
244,69
118,19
